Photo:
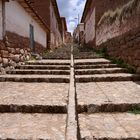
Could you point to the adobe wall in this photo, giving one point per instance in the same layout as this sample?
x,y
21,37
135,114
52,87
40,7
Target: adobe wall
x,y
103,6
95,12
18,21
56,38
0,19
122,39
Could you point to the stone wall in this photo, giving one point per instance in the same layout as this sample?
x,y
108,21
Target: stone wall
x,y
122,36
1,19
125,47
15,50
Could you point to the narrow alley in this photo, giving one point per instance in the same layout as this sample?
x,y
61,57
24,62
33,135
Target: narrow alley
x,y
70,70
71,99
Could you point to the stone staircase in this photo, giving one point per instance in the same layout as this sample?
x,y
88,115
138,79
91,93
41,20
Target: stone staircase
x,y
40,71
33,103
105,95
62,99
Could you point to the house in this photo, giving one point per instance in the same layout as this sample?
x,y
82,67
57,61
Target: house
x,y
78,33
64,29
48,9
94,9
22,30
68,37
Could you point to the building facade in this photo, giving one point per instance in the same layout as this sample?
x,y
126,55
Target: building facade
x,y
94,10
48,10
22,31
68,37
78,33
64,29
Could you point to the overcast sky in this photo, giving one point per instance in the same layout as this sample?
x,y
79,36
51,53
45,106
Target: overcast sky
x,y
70,9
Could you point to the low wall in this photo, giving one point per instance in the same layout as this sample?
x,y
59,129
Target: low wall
x,y
15,49
125,47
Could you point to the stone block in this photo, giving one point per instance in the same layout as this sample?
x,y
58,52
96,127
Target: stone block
x,y
5,62
0,59
12,63
4,53
22,51
17,50
11,50
16,58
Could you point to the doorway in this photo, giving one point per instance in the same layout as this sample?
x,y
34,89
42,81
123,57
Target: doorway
x,y
32,43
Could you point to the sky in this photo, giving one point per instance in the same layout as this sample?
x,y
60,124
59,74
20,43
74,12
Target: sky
x,y
70,9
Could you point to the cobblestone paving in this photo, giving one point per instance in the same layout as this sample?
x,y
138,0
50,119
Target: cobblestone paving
x,y
37,96
36,87
109,126
34,93
107,95
32,126
54,62
91,61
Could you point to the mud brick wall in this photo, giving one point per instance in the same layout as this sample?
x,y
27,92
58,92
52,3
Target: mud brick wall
x,y
15,49
125,47
122,36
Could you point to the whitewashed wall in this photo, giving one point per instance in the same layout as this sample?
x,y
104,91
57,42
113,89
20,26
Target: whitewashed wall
x,y
18,21
90,28
0,19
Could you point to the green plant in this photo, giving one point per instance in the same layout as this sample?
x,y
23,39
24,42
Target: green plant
x,y
103,53
135,110
122,64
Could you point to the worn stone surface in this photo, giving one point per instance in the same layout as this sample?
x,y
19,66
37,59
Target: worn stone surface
x,y
52,67
91,61
107,96
109,126
35,78
28,97
49,62
107,77
95,66
32,126
45,72
100,71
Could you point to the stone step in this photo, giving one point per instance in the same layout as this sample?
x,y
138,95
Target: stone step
x,y
100,71
47,67
57,58
35,78
92,61
45,72
33,97
107,77
116,126
107,96
18,126
49,62
96,66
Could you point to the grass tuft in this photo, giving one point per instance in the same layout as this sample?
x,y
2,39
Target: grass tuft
x,y
135,110
119,62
